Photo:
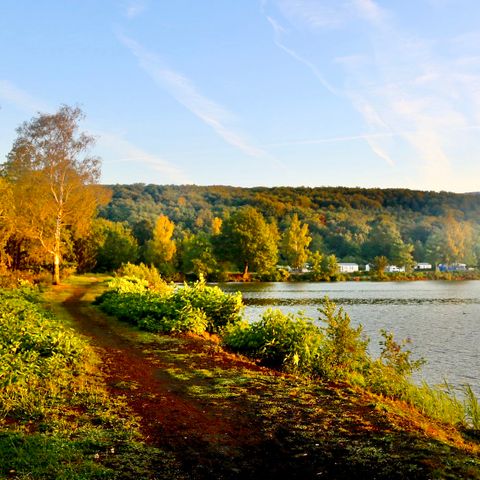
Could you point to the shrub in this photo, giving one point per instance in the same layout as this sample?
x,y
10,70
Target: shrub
x,y
128,285
194,308
394,356
278,340
343,352
148,273
221,309
296,343
38,356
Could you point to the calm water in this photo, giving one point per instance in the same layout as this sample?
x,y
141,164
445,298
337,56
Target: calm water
x,y
441,318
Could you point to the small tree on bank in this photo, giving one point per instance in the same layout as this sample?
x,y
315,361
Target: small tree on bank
x,y
295,242
379,265
248,241
161,249
53,180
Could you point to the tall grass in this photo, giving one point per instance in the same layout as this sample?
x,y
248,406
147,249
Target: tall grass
x,y
472,407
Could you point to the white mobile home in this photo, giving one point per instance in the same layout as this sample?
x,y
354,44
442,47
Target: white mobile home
x,y
393,269
348,267
423,266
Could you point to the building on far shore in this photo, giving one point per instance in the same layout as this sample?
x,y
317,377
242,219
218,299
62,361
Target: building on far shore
x,y
422,266
348,267
393,269
453,267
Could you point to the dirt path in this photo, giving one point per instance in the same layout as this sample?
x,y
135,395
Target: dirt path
x,y
225,418
210,443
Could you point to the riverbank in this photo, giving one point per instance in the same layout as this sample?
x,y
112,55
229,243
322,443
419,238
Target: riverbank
x,y
359,277
205,413
439,317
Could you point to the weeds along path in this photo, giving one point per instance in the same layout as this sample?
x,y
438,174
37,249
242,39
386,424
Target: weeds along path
x,y
225,418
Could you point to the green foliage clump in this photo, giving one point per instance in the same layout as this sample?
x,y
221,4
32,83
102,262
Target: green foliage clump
x,y
334,351
278,340
38,356
220,308
324,268
148,273
344,350
114,244
248,240
192,308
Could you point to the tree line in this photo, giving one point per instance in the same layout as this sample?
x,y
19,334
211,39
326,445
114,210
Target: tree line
x,y
54,213
349,224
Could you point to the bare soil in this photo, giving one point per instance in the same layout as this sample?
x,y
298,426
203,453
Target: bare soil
x,y
224,417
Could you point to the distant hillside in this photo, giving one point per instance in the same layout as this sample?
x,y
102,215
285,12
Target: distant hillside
x,y
340,219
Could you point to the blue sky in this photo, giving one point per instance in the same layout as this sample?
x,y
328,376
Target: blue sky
x,y
255,92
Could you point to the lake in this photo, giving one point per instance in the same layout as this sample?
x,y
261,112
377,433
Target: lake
x,y
441,318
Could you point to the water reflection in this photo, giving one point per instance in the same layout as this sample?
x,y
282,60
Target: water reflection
x,y
359,301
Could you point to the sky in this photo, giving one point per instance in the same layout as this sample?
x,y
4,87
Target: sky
x,y
368,93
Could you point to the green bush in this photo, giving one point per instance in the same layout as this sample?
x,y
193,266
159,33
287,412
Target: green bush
x,y
220,308
395,356
190,308
38,356
343,352
278,340
149,273
334,351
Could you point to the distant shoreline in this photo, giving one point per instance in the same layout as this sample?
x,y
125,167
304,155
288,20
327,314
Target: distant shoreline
x,y
359,277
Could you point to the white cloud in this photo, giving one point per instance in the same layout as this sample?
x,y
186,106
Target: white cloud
x,y
314,13
185,92
351,60
278,31
419,98
127,152
369,10
20,98
329,14
135,8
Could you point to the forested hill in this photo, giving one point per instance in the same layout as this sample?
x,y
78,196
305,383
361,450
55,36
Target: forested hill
x,y
341,220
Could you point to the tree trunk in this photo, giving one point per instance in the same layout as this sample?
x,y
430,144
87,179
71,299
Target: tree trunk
x,y
57,250
56,269
245,272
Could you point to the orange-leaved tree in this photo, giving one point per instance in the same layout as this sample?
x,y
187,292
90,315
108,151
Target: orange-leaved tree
x,y
54,181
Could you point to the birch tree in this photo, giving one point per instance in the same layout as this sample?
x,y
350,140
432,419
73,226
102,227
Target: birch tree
x,y
54,180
